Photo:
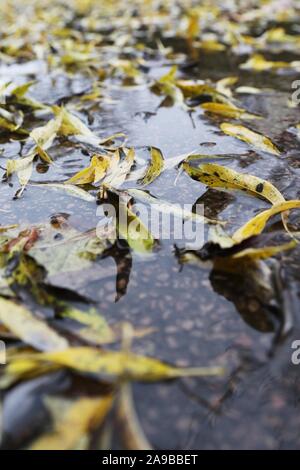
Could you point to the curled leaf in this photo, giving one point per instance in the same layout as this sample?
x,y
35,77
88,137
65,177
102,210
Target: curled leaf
x,y
155,167
256,225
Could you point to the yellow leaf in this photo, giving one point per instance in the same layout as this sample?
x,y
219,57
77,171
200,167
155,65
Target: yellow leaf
x,y
257,224
258,63
70,124
264,252
223,85
228,110
193,89
44,135
155,168
112,364
118,174
95,327
22,166
253,138
132,229
95,172
73,427
20,321
216,176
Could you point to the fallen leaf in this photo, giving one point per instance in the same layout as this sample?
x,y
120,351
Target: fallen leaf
x,y
257,224
20,321
125,365
73,425
228,111
155,167
253,138
218,176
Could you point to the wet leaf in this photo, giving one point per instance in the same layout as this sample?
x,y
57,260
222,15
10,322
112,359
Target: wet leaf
x,y
228,111
218,176
44,136
264,252
71,189
72,426
111,364
252,138
133,436
257,224
23,167
94,173
70,124
118,173
94,326
29,328
258,63
155,167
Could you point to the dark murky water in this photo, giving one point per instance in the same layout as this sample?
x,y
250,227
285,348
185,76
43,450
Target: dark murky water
x,y
199,319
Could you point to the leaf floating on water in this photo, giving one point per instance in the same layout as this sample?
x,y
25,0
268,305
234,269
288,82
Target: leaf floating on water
x,y
257,224
259,64
218,176
228,111
20,321
94,172
23,167
70,124
133,436
155,167
223,85
194,89
94,326
44,136
264,252
118,173
113,364
73,426
252,138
